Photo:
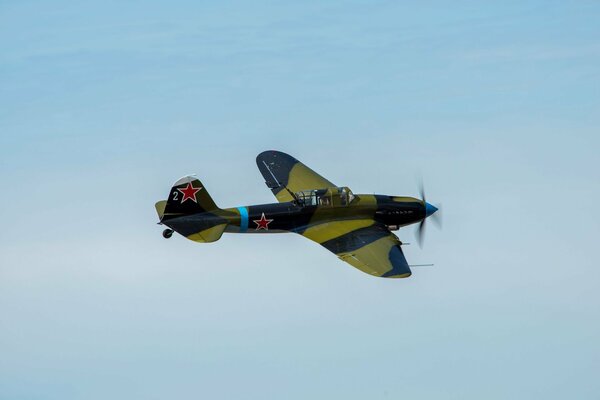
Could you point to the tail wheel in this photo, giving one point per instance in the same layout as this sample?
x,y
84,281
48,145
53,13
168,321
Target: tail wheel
x,y
167,233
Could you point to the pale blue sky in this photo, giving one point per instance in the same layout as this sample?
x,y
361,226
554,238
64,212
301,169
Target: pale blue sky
x,y
103,105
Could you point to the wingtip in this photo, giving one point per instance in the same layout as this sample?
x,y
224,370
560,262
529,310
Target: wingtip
x,y
270,155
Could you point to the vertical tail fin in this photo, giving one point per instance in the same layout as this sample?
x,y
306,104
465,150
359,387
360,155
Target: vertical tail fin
x,y
188,196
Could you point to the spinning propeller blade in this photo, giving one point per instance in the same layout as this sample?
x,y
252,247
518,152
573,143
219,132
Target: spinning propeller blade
x,y
420,234
430,210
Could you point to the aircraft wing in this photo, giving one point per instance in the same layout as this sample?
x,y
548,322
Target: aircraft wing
x,y
364,244
284,174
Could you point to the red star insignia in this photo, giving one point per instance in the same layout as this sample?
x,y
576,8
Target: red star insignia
x,y
189,192
262,223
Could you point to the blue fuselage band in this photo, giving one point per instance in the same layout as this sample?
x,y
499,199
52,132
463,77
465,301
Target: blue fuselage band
x,y
243,219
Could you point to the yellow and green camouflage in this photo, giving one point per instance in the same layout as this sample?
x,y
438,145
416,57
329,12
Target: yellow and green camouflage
x,y
355,227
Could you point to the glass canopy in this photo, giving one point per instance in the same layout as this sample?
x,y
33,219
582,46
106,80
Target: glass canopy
x,y
335,196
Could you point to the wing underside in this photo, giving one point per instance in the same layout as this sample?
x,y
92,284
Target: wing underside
x,y
364,244
285,175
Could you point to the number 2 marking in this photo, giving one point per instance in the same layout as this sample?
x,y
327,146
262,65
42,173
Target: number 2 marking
x,y
175,195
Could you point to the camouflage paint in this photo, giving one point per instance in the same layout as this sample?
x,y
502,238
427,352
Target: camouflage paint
x,y
357,231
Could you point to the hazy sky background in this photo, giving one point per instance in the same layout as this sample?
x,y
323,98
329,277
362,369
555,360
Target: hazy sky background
x,y
103,105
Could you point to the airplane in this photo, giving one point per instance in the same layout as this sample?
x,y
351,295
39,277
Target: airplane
x,y
356,227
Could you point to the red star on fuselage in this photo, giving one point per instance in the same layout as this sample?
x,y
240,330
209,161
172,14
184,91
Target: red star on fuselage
x,y
189,192
262,223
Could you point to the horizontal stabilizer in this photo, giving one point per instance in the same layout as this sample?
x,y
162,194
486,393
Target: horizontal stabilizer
x,y
208,235
160,208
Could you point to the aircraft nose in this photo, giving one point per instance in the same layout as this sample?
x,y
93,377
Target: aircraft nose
x,y
429,209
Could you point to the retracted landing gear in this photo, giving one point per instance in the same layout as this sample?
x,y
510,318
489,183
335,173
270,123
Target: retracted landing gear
x,y
167,233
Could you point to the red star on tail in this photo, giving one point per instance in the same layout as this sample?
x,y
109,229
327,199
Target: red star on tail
x,y
262,223
189,192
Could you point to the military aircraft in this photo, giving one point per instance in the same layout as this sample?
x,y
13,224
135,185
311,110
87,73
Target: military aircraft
x,y
356,227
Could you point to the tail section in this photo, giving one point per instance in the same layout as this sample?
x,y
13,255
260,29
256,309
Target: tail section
x,y
188,196
191,212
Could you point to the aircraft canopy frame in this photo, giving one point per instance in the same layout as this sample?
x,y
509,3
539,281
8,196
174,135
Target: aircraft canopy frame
x,y
333,196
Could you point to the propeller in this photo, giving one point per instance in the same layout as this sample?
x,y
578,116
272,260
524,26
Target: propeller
x,y
430,211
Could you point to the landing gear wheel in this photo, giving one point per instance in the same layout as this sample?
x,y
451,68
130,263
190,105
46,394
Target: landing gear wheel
x,y
167,233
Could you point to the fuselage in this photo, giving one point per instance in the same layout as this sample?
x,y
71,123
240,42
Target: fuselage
x,y
392,211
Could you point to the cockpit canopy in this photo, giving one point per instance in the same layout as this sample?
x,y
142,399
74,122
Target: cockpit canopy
x,y
333,196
